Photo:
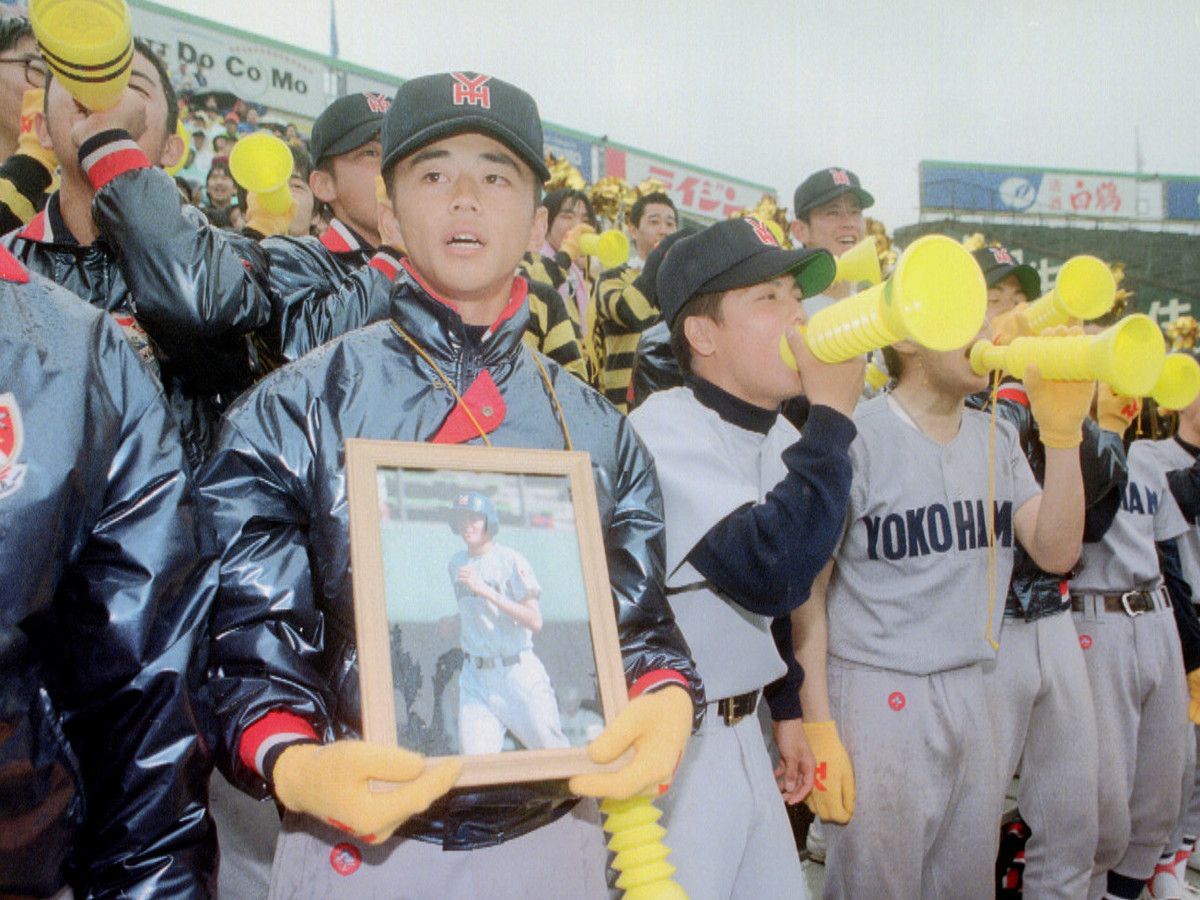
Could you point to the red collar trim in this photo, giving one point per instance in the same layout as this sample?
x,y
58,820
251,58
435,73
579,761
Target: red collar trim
x,y
1014,394
486,404
38,229
11,268
520,290
339,239
421,281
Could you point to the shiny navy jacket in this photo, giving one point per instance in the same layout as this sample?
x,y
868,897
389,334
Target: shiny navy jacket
x,y
187,295
284,663
654,365
108,579
1105,473
320,288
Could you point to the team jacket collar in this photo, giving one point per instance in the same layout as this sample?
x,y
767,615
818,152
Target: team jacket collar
x,y
48,226
436,325
341,238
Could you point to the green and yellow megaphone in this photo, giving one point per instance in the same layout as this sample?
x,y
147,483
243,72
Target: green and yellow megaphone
x,y
860,263
1179,383
1129,356
1085,289
262,164
610,247
88,46
936,297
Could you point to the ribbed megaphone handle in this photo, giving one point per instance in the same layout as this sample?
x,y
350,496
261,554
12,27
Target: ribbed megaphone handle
x,y
1046,312
849,328
1057,358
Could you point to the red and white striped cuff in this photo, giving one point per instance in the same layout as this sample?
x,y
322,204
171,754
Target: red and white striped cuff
x,y
656,680
272,730
109,154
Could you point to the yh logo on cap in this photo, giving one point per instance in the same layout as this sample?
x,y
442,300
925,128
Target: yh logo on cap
x,y
1002,256
472,91
840,177
377,102
764,233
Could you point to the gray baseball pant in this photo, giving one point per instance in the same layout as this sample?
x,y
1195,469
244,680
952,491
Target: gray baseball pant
x,y
1042,716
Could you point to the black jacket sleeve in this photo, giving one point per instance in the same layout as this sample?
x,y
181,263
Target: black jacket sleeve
x,y
1185,487
1181,602
764,556
783,695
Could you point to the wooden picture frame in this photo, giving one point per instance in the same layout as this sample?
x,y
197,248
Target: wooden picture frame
x,y
415,568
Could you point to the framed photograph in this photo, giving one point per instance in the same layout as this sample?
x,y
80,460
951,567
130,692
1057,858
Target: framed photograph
x,y
483,612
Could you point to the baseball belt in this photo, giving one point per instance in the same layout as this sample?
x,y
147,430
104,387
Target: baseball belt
x,y
1131,603
493,662
733,709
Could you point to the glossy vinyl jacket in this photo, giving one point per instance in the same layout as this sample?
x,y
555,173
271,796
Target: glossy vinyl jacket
x,y
1034,593
108,577
197,293
283,624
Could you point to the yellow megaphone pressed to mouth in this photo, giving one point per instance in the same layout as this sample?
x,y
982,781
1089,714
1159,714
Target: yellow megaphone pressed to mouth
x,y
88,46
610,247
262,164
860,263
1129,356
1179,383
1085,289
936,297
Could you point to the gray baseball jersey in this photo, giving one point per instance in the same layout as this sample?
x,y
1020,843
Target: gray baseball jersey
x,y
1169,456
707,468
1127,558
486,631
909,591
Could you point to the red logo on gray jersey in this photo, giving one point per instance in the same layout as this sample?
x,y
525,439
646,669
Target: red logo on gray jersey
x,y
896,701
12,439
345,859
1085,641
472,91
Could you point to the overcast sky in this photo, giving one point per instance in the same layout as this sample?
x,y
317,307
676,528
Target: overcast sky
x,y
769,92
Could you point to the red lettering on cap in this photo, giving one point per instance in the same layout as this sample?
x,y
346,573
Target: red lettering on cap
x,y
840,176
345,859
764,234
472,91
1002,256
377,102
1085,641
896,701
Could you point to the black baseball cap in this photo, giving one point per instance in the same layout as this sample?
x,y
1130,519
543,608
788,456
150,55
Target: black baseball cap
x,y
433,107
346,124
647,281
731,254
828,184
997,264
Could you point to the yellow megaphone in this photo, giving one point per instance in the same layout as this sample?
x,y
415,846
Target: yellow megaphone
x,y
88,46
1179,383
610,247
1129,356
875,377
860,263
1085,289
936,297
262,164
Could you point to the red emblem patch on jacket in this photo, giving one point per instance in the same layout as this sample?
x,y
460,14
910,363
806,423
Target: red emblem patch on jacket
x,y
12,439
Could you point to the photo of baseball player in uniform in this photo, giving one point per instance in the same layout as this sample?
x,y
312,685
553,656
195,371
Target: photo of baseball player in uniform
x,y
503,686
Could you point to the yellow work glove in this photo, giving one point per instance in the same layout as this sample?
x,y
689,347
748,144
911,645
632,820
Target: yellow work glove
x,y
656,726
1194,695
333,783
570,241
1011,325
1115,412
832,796
28,142
266,222
1058,407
